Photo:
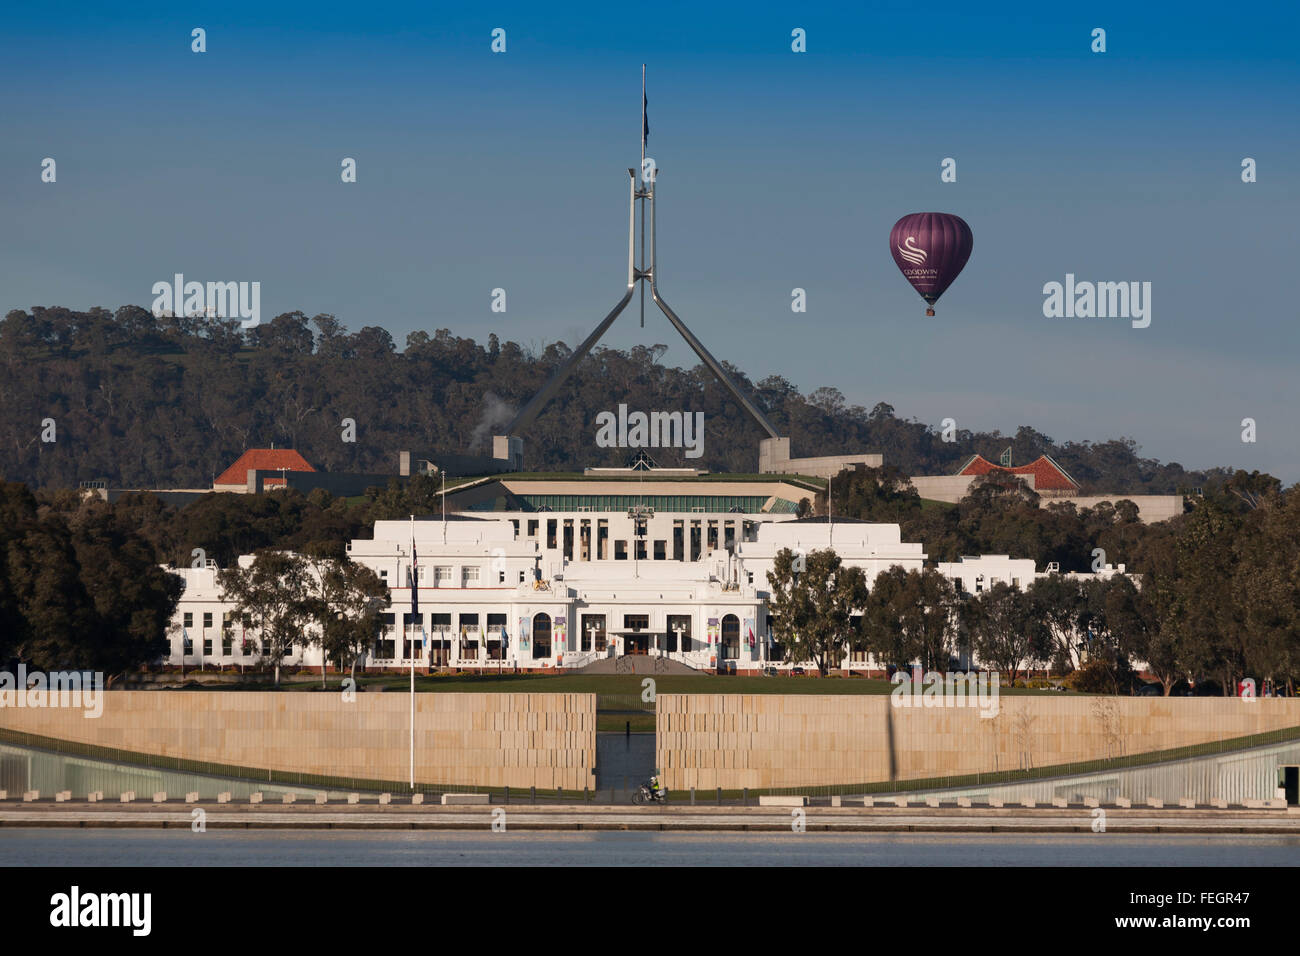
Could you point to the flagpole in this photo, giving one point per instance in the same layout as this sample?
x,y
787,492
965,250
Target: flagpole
x,y
415,583
643,186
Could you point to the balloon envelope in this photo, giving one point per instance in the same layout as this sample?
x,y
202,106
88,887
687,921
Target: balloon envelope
x,y
930,249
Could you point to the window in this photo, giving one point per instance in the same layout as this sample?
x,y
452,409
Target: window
x,y
468,577
541,636
532,528
442,576
440,622
266,648
188,647
188,619
751,577
521,577
207,618
730,637
501,576
620,550
207,647
679,631
383,575
593,632
227,644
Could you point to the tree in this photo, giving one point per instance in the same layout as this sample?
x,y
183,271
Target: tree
x,y
911,616
1057,602
346,601
811,608
1006,629
273,595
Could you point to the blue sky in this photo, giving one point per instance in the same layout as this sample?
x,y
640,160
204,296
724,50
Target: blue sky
x,y
778,170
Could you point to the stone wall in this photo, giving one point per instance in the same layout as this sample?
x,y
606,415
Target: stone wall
x,y
495,740
761,741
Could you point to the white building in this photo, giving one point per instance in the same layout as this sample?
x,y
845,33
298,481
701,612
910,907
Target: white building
x,y
541,589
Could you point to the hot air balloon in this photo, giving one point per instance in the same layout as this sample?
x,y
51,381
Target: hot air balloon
x,y
931,249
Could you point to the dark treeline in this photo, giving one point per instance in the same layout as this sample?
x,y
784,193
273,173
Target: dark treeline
x,y
82,583
1216,597
152,402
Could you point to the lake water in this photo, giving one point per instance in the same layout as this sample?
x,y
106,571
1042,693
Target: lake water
x,y
91,848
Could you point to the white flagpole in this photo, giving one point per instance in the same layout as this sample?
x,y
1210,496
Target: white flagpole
x,y
414,584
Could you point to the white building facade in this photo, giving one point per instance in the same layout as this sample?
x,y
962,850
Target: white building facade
x,y
549,590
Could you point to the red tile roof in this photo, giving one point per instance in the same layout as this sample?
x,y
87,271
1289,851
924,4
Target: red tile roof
x,y
263,459
1048,475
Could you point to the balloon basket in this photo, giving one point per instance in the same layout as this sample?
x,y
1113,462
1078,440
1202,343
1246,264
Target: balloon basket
x,y
929,311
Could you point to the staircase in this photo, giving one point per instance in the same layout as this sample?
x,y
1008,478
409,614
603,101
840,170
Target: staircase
x,y
637,664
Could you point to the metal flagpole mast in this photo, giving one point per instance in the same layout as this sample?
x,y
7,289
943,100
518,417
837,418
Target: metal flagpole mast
x,y
415,583
830,512
643,187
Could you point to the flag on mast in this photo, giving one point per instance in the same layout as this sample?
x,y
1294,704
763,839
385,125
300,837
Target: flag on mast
x,y
414,573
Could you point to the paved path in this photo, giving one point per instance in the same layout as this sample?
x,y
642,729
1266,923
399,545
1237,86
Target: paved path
x,y
578,817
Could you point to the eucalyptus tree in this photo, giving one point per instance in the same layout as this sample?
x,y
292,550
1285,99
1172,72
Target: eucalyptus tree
x,y
273,594
813,600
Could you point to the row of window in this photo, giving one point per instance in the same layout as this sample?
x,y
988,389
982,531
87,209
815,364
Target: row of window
x,y
443,576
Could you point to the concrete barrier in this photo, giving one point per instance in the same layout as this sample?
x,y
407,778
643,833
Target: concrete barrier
x,y
868,802
385,799
1155,803
995,803
1273,804
1060,802
31,796
288,798
321,799
160,796
780,801
255,797
449,799
223,797
1124,802
354,798
93,797
63,796
1091,802
4,794
963,802
932,802
901,802
128,796
1187,803
1219,803
836,801
417,799
192,797
1028,804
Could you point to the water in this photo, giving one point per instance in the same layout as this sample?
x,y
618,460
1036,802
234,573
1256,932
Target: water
x,y
91,848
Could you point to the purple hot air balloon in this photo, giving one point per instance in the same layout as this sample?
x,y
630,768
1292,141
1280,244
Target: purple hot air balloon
x,y
931,249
